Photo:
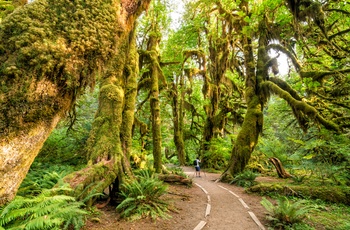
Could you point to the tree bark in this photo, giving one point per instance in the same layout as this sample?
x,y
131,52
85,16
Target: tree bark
x,y
17,154
279,168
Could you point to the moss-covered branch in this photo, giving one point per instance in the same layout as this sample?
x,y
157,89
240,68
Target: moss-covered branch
x,y
300,105
320,75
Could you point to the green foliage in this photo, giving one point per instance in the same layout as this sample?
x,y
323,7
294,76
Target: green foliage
x,y
178,171
245,179
42,176
51,209
285,212
142,197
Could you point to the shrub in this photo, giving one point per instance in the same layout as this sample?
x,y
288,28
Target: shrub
x,y
286,213
141,198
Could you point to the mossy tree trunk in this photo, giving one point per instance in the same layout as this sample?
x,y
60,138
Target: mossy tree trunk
x,y
110,139
43,74
255,74
247,137
154,102
178,116
131,72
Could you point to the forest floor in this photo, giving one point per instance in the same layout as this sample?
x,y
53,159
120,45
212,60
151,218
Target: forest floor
x,y
217,205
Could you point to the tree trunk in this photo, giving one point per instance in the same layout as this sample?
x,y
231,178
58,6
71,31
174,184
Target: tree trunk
x,y
214,86
279,168
247,137
17,154
252,126
177,107
154,103
132,72
110,139
43,74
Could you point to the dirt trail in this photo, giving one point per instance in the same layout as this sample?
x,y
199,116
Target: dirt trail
x,y
226,207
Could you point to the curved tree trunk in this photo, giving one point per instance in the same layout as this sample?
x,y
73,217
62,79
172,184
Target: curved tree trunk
x,y
43,74
18,153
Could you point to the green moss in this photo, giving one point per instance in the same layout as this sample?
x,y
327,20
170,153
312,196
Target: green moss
x,y
63,42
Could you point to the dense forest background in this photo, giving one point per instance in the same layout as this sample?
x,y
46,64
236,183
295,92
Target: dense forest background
x,y
250,87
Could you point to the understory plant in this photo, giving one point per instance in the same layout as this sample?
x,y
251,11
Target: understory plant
x,y
142,197
245,179
286,213
51,209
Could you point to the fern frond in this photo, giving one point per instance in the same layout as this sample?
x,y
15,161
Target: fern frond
x,y
286,212
45,211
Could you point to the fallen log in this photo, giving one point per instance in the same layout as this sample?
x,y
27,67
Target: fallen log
x,y
173,178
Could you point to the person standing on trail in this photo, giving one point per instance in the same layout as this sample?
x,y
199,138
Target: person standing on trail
x,y
196,166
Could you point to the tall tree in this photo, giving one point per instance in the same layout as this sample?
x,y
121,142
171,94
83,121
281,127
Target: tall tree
x,y
51,51
272,18
153,79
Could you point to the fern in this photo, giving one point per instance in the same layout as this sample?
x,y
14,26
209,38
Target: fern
x,y
141,197
43,177
48,210
245,179
285,212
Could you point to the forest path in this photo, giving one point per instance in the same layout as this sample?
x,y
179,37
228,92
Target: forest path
x,y
224,206
225,209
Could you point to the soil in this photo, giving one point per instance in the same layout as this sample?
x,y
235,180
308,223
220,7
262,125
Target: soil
x,y
220,206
